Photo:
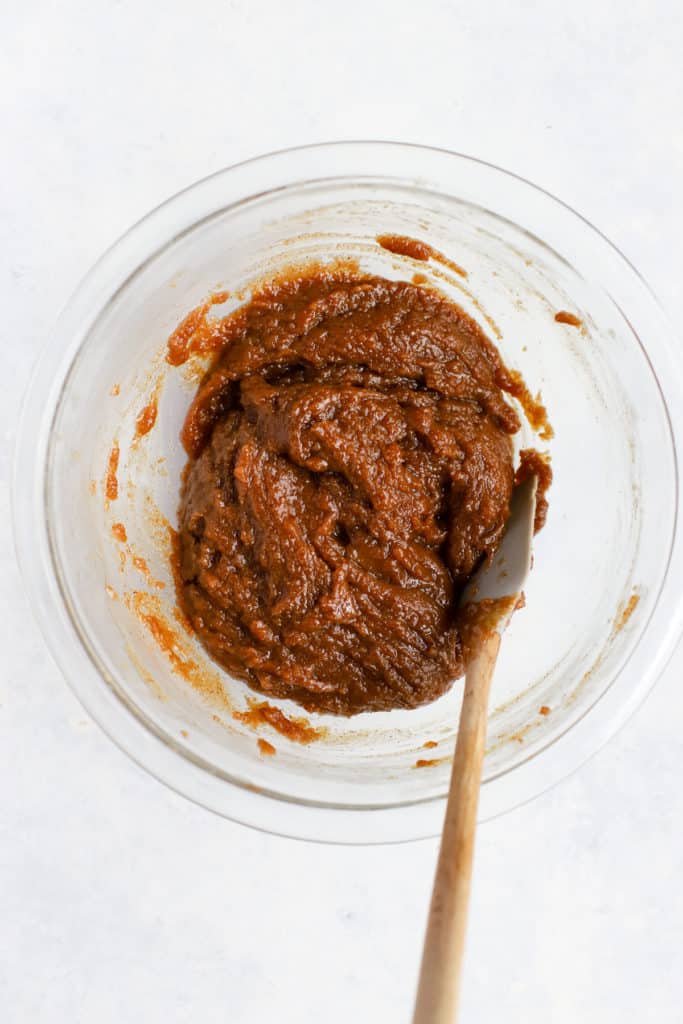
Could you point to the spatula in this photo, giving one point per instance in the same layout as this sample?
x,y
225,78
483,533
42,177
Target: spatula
x,y
499,579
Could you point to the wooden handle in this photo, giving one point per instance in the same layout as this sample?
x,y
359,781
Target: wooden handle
x,y
439,986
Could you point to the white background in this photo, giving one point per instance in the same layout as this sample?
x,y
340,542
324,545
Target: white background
x,y
120,901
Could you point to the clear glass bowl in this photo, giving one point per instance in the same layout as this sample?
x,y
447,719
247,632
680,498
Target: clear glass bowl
x,y
613,389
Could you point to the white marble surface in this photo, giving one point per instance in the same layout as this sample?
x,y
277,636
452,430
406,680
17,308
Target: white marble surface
x,y
120,901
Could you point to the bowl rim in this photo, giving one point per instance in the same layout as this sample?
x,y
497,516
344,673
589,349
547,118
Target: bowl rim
x,y
169,762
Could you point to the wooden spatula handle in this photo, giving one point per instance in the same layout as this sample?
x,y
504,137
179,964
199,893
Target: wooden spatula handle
x,y
439,985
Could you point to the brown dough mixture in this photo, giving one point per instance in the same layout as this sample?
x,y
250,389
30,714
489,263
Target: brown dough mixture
x,y
350,465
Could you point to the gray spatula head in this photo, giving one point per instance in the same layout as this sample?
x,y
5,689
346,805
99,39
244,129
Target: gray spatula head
x,y
504,575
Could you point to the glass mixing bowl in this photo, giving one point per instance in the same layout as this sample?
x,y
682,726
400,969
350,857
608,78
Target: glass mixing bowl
x,y
603,607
